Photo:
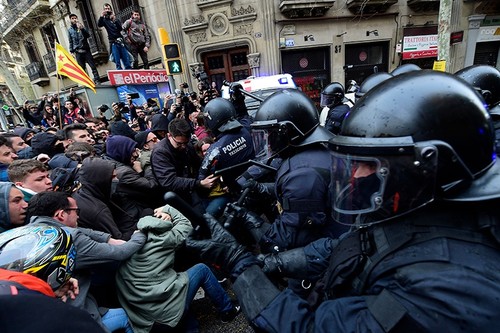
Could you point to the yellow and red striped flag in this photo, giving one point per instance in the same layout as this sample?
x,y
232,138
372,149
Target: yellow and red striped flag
x,y
67,66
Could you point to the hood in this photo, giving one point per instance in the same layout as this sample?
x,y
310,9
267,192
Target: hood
x,y
62,161
4,205
96,176
23,132
45,143
120,148
141,138
159,122
154,224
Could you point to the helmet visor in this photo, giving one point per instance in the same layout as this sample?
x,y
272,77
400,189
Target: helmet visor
x,y
266,143
327,100
367,190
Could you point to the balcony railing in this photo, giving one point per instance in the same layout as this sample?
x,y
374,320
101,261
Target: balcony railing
x,y
50,62
36,71
369,6
28,11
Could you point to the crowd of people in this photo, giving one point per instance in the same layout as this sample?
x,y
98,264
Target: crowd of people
x,y
382,219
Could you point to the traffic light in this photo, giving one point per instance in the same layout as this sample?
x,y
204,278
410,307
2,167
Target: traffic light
x,y
172,58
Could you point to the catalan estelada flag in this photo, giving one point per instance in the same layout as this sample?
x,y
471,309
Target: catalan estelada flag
x,y
67,66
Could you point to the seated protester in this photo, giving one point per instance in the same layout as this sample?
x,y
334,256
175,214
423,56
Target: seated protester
x,y
13,207
175,163
15,141
7,156
146,142
119,126
77,133
149,288
25,133
21,148
97,210
200,129
72,133
135,192
30,176
47,143
159,124
34,271
94,249
201,146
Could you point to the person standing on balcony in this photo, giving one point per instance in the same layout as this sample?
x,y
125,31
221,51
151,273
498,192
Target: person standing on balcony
x,y
113,27
137,36
79,46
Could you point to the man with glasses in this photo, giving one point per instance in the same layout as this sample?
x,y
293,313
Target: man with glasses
x,y
175,162
95,249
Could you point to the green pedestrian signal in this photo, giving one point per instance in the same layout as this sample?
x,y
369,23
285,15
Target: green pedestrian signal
x,y
174,66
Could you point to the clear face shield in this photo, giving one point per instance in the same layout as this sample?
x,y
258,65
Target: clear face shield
x,y
268,140
327,100
367,190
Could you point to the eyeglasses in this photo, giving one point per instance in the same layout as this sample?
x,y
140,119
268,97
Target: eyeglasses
x,y
77,210
182,144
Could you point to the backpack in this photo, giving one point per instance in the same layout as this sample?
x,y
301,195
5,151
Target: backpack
x,y
65,179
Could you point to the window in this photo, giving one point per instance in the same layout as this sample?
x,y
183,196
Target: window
x,y
230,65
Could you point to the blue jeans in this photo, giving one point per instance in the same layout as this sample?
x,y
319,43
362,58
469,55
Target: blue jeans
x,y
120,54
216,205
201,276
116,319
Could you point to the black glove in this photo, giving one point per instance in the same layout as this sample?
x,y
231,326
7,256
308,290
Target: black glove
x,y
222,249
292,263
253,222
256,187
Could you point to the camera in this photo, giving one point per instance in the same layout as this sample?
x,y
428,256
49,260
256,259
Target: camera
x,y
177,108
103,107
184,85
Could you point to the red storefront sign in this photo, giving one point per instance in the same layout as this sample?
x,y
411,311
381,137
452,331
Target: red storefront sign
x,y
420,42
147,76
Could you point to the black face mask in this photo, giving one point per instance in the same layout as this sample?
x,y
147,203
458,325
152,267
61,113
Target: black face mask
x,y
359,195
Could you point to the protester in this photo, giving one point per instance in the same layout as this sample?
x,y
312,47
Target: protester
x,y
113,27
136,35
79,46
152,291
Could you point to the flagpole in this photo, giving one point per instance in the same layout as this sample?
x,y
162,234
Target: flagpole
x,y
58,87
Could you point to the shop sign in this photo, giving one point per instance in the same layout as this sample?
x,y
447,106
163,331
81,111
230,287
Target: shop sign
x,y
489,33
148,76
423,46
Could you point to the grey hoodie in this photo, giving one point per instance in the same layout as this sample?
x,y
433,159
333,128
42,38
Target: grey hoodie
x,y
4,206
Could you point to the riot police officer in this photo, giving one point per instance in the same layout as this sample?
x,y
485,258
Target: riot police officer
x,y
287,126
420,190
334,109
486,80
233,146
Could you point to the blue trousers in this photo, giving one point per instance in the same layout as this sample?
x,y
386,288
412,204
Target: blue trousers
x,y
120,55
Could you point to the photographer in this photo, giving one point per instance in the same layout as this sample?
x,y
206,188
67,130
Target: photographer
x,y
119,125
113,27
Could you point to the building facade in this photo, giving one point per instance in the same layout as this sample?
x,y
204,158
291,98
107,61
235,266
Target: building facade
x,y
316,41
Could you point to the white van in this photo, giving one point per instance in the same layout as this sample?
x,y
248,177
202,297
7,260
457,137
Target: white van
x,y
263,87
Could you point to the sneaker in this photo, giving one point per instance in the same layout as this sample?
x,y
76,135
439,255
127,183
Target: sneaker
x,y
227,316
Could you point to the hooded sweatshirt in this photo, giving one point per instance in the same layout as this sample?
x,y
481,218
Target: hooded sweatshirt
x,y
5,188
97,210
120,148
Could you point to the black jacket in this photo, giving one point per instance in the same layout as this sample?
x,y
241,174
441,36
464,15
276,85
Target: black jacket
x,y
176,170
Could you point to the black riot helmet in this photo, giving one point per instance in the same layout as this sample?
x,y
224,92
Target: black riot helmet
x,y
333,94
220,116
370,82
405,68
485,79
287,118
416,137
